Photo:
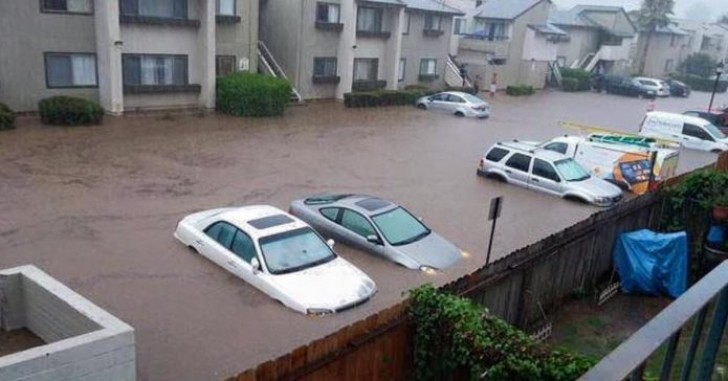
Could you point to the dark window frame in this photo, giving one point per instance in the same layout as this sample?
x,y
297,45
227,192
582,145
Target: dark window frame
x,y
140,15
45,67
140,55
537,161
517,154
403,75
217,9
374,70
217,64
456,30
327,4
434,16
43,9
422,62
332,58
380,13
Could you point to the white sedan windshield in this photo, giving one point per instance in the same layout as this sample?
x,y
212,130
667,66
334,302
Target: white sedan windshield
x,y
295,250
570,170
399,227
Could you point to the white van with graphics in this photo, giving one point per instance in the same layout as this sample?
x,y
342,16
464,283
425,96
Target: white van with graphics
x,y
692,132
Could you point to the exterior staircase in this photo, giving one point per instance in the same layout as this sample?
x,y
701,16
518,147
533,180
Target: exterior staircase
x,y
556,73
452,74
269,66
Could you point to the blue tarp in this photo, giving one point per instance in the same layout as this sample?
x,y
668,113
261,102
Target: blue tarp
x,y
652,263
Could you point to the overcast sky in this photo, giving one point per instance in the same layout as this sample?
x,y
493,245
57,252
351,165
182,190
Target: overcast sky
x,y
705,10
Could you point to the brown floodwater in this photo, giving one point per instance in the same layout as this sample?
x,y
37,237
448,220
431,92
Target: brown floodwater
x,y
96,207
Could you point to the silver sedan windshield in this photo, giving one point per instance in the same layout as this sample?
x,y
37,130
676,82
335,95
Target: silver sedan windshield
x,y
399,227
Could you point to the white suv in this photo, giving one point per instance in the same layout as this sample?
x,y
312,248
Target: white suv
x,y
546,171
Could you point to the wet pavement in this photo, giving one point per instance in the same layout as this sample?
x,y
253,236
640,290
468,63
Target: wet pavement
x,y
96,207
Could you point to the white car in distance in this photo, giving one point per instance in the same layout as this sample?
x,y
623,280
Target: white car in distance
x,y
278,254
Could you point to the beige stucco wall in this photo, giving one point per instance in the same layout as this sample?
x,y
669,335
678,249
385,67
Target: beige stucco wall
x,y
25,34
281,30
240,39
661,50
416,46
582,42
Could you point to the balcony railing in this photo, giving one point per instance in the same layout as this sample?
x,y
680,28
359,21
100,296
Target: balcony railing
x,y
630,359
155,20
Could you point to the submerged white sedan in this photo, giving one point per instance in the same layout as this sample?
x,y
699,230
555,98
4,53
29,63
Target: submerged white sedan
x,y
280,255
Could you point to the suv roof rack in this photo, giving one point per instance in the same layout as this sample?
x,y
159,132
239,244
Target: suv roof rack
x,y
531,149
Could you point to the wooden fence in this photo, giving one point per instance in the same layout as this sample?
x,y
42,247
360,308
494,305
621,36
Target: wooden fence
x,y
517,288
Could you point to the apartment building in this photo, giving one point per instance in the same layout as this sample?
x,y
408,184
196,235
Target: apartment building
x,y
706,38
126,54
600,38
329,48
511,39
668,47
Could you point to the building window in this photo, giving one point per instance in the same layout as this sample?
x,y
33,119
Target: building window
x,y
176,9
669,66
66,6
154,69
224,65
460,26
673,40
366,69
324,67
226,7
327,13
561,61
65,70
492,30
402,68
369,19
428,66
405,29
433,22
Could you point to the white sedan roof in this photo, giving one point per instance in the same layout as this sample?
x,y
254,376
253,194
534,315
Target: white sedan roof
x,y
262,220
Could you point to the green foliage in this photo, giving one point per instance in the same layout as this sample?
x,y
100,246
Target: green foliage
x,y
520,90
70,111
455,335
582,77
247,94
570,84
382,98
699,190
723,19
703,84
699,64
7,117
654,14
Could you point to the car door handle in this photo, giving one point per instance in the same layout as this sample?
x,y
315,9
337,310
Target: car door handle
x,y
200,242
508,171
535,180
232,264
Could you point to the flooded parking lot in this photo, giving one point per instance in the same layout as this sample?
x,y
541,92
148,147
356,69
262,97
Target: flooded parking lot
x,y
96,207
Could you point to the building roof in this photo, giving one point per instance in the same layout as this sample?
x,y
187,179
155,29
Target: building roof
x,y
548,29
672,29
397,3
432,6
579,16
504,9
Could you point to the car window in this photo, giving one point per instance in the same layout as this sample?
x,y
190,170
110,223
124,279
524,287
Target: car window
x,y
357,223
696,132
222,232
519,161
400,227
243,246
496,154
557,147
454,99
438,97
545,170
330,213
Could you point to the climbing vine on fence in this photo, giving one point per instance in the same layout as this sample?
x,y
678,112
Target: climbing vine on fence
x,y
455,338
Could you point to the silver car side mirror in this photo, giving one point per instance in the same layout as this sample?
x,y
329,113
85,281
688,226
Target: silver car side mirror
x,y
255,264
330,242
374,239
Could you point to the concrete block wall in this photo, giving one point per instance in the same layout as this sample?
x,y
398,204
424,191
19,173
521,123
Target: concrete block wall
x,y
84,342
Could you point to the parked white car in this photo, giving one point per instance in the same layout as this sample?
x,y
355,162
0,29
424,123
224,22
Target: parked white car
x,y
689,131
280,255
659,86
456,103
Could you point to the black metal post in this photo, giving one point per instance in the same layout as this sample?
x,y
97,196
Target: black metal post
x,y
490,241
715,88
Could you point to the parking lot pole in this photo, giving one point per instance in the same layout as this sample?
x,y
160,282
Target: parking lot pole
x,y
718,72
495,210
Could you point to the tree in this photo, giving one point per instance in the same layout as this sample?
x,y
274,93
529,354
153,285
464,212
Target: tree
x,y
723,19
653,15
699,64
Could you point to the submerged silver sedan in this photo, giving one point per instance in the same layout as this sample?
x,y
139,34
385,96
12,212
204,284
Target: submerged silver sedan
x,y
379,227
456,103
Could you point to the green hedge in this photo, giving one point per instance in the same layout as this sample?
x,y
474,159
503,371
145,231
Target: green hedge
x,y
7,117
383,98
70,111
519,90
456,336
702,84
570,84
582,77
247,94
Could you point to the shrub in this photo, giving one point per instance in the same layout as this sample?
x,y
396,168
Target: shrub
x,y
582,77
698,64
454,335
702,84
519,90
382,98
69,111
570,84
247,94
7,117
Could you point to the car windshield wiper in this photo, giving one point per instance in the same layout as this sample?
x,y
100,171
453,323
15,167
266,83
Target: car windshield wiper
x,y
305,265
413,239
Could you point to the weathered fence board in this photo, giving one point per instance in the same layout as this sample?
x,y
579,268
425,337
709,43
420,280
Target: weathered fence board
x,y
546,272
